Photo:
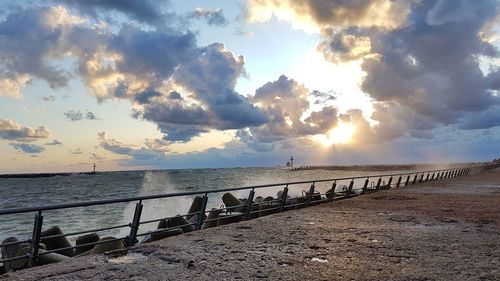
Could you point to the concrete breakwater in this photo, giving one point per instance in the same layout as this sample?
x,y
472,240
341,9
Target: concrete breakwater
x,y
52,245
439,230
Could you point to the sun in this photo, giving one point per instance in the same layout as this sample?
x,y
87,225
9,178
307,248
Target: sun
x,y
341,134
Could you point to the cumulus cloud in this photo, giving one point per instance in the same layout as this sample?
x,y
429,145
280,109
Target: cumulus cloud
x,y
145,11
286,105
77,115
421,64
139,156
76,151
211,16
27,148
160,70
10,130
48,98
54,142
28,41
334,13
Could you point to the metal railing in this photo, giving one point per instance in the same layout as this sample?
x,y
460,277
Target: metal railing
x,y
339,188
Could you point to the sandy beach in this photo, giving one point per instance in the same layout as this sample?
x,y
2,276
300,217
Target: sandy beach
x,y
443,230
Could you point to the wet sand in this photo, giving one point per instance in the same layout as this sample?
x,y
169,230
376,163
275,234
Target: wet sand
x,y
443,230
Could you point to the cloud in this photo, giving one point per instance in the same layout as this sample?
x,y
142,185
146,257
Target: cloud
x,y
10,130
97,157
54,142
28,41
212,16
286,105
421,64
77,115
27,148
137,156
159,70
332,14
145,11
48,98
91,116
77,151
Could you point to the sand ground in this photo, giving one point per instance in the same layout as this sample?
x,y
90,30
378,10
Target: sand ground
x,y
443,230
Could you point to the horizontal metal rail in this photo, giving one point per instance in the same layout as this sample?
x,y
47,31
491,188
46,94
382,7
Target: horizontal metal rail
x,y
188,193
249,209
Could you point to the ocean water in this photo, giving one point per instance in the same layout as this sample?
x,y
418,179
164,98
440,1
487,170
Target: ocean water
x,y
24,192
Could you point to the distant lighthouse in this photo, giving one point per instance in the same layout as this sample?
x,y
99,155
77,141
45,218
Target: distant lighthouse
x,y
291,162
94,168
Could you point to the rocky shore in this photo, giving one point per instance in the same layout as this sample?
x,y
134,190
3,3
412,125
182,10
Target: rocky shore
x,y
442,230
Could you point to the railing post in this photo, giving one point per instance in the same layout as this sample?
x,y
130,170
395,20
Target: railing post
x,y
389,182
202,211
251,194
378,183
365,186
407,180
134,226
349,189
427,178
415,179
447,174
283,198
310,194
421,178
35,239
399,181
334,185
433,176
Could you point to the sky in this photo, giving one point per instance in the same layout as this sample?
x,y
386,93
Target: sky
x,y
236,83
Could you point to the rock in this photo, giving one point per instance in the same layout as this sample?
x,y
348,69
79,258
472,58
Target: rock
x,y
109,246
181,222
57,242
330,194
50,258
231,201
164,234
10,252
268,198
227,218
86,239
196,206
211,220
259,199
265,206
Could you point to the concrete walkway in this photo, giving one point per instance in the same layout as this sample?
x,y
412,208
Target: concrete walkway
x,y
444,230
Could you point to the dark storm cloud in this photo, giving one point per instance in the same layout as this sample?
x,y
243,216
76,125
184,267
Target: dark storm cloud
x,y
27,148
211,16
145,10
10,130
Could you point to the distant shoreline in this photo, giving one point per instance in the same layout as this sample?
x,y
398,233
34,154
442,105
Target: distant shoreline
x,y
42,175
370,167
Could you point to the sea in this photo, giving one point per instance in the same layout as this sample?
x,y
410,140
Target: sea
x,y
27,192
